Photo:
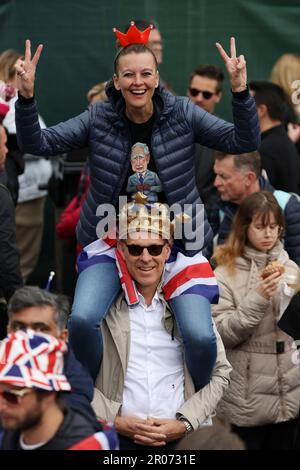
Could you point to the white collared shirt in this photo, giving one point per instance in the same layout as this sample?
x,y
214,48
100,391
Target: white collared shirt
x,y
154,381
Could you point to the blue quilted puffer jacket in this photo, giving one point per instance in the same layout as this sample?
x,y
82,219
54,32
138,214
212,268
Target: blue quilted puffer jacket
x,y
178,126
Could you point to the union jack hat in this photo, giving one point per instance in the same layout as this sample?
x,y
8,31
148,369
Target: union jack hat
x,y
34,360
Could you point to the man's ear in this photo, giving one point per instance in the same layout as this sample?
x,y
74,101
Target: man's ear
x,y
250,178
64,335
262,110
167,247
116,82
48,399
218,97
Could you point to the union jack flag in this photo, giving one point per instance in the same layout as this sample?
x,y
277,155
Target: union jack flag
x,y
189,275
31,359
105,440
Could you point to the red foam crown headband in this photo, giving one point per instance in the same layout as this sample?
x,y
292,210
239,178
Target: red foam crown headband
x,y
133,35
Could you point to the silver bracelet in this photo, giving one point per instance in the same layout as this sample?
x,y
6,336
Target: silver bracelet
x,y
188,426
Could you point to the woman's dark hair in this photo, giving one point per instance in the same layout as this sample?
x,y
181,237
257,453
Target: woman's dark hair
x,y
261,204
133,48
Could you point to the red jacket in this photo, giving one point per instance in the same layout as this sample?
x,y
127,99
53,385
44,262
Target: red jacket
x,y
66,226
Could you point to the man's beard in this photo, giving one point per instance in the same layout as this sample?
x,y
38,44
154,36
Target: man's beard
x,y
30,420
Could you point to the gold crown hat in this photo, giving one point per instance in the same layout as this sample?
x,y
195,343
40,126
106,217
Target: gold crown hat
x,y
141,216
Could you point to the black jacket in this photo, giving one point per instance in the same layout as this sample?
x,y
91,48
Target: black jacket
x,y
205,176
290,320
10,275
280,159
81,384
14,166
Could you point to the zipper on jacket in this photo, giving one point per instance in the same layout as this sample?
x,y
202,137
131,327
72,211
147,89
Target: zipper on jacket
x,y
158,114
125,168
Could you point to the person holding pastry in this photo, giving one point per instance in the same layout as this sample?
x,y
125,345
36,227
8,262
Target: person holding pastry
x,y
262,401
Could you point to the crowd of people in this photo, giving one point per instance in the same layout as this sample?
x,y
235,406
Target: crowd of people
x,y
181,332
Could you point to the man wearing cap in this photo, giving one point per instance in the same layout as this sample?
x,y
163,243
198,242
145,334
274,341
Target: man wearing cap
x,y
143,384
32,413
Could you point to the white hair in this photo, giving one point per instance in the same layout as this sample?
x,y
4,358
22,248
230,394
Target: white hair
x,y
144,147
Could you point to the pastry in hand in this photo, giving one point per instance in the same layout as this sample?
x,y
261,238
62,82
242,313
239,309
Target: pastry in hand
x,y
272,268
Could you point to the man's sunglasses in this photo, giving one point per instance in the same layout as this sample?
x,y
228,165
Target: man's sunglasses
x,y
206,94
137,250
13,396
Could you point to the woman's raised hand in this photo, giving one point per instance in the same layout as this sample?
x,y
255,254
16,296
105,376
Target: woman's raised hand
x,y
25,70
236,67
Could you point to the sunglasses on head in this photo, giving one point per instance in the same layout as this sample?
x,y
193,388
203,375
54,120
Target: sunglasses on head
x,y
206,94
137,250
13,396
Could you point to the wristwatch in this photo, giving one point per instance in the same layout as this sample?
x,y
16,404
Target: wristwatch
x,y
188,426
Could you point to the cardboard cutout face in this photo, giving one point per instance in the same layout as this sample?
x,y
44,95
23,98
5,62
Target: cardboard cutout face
x,y
139,161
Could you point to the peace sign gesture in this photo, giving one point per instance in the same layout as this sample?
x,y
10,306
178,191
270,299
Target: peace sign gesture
x,y
236,67
26,70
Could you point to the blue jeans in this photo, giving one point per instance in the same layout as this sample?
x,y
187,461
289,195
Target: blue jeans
x,y
193,317
96,289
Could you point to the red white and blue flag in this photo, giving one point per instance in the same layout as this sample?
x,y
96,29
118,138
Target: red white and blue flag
x,y
102,440
189,275
33,359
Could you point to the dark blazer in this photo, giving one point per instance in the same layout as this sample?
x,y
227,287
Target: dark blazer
x,y
290,320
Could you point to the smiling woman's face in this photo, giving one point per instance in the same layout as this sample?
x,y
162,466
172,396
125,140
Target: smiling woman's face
x,y
137,78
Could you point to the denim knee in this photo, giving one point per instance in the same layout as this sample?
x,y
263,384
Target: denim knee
x,y
83,324
204,341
